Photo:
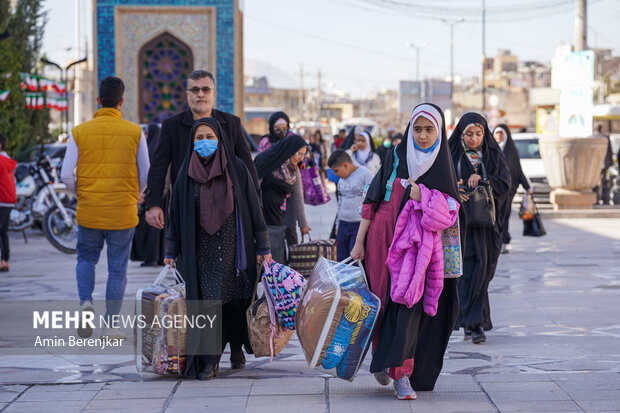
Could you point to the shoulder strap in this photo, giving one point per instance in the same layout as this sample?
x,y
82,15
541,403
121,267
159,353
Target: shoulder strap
x,y
390,182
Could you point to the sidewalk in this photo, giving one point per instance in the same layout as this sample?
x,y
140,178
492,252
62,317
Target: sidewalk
x,y
555,302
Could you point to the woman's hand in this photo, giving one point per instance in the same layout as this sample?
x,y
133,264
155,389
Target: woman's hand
x,y
266,258
473,180
305,230
530,192
353,147
416,193
170,262
358,251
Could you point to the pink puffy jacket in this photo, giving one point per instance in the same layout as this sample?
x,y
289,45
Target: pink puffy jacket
x,y
415,258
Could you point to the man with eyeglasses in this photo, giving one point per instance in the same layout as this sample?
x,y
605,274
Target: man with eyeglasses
x,y
175,137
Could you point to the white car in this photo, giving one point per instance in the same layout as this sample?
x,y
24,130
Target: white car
x,y
532,165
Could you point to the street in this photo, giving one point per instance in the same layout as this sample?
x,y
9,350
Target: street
x,y
555,345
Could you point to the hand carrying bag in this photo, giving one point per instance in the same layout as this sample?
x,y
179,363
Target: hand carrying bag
x,y
480,208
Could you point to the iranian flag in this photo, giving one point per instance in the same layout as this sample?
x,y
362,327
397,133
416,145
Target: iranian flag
x,y
4,94
40,103
31,81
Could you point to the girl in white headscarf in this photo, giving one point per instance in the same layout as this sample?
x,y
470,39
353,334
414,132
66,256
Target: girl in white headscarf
x,y
363,153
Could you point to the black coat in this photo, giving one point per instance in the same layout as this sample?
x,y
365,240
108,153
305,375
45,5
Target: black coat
x,y
514,162
172,148
182,237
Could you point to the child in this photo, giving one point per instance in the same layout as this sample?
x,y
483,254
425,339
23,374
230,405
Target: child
x,y
419,168
350,191
8,199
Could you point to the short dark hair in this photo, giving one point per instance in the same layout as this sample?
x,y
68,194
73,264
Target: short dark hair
x,y
342,130
3,141
199,74
337,158
111,91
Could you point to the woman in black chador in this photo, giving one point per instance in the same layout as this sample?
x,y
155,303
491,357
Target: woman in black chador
x,y
472,146
216,232
278,171
503,137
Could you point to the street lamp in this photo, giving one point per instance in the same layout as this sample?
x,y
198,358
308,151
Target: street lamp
x,y
417,56
63,77
452,23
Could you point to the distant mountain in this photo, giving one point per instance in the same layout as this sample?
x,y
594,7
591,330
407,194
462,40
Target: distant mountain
x,y
277,78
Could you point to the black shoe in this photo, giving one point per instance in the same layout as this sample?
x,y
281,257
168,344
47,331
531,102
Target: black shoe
x,y
478,336
237,360
210,371
467,335
149,264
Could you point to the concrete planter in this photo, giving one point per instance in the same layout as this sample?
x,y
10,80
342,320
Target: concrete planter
x,y
573,167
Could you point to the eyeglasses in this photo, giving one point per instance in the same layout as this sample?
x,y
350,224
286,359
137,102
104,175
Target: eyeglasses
x,y
301,154
195,90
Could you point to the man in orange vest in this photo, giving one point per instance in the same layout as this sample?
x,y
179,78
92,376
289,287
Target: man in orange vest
x,y
112,161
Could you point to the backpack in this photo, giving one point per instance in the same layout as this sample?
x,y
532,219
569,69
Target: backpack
x,y
283,288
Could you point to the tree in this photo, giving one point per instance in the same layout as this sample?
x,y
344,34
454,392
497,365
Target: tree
x,y
24,20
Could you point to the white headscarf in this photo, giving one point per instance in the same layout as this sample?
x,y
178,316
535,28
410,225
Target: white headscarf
x,y
363,156
419,162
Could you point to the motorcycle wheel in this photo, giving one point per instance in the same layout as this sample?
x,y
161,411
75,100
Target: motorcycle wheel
x,y
57,232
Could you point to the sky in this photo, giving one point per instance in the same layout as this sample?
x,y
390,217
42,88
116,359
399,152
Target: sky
x,y
362,46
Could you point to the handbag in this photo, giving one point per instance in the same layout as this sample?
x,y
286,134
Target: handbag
x,y
302,257
534,227
263,340
315,192
480,208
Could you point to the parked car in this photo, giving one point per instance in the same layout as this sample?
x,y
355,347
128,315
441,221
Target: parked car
x,y
533,166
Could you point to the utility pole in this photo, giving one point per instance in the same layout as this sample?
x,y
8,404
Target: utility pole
x,y
452,24
77,90
417,57
301,92
318,96
484,54
581,33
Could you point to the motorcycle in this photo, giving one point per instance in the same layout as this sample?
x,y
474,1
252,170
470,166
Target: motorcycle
x,y
43,201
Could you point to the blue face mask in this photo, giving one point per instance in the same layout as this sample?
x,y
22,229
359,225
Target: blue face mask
x,y
205,147
427,149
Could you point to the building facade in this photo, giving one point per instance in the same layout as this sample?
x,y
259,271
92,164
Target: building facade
x,y
154,44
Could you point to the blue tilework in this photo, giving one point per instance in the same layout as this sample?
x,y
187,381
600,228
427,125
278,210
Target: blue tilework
x,y
225,46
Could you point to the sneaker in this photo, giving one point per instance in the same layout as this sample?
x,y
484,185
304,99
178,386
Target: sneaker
x,y
383,378
113,333
478,336
403,390
467,334
505,249
85,330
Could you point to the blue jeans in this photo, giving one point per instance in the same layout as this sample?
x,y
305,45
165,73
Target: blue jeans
x,y
347,232
89,246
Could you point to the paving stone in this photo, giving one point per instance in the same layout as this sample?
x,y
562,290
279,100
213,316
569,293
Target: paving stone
x,y
116,394
8,393
209,404
600,405
385,402
539,406
522,386
456,383
212,391
518,396
141,385
592,395
57,396
293,403
65,406
130,405
450,402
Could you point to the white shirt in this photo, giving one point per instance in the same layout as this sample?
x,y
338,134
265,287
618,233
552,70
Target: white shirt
x,y
71,159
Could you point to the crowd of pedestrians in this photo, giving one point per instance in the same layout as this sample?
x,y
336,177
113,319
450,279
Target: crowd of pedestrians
x,y
199,188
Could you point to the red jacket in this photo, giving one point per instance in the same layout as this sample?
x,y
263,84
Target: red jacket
x,y
7,180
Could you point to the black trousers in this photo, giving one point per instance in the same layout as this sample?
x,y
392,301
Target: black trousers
x,y
5,215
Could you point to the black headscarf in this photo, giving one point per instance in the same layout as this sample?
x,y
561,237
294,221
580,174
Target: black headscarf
x,y
272,121
492,155
271,159
512,159
440,175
